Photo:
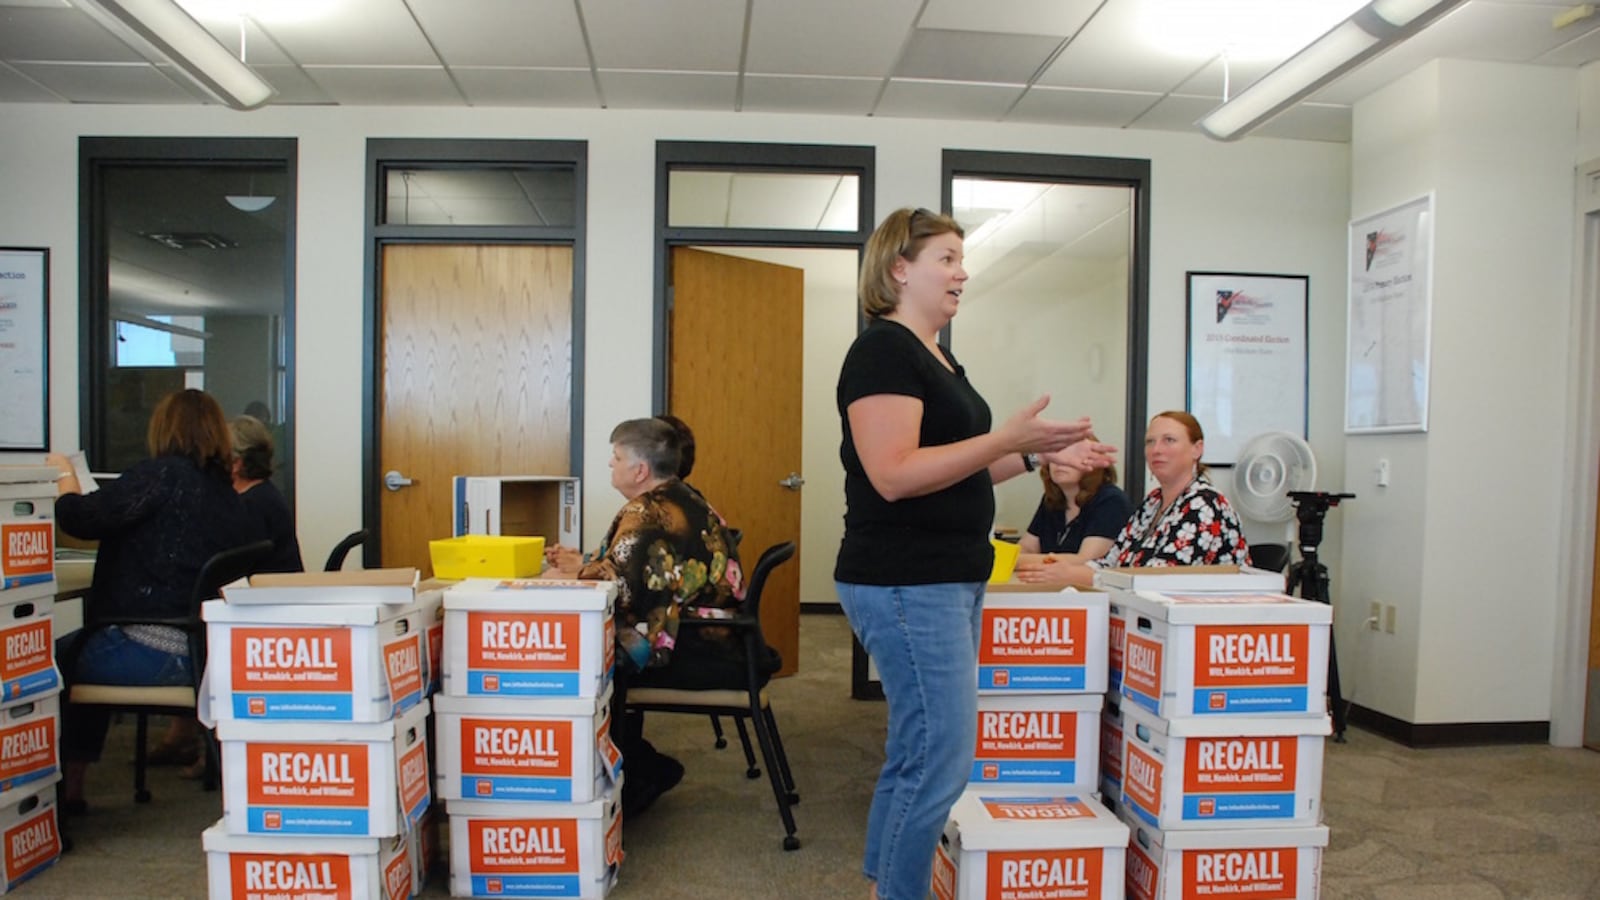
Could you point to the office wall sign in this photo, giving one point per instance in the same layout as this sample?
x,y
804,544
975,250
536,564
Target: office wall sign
x,y
1391,291
24,348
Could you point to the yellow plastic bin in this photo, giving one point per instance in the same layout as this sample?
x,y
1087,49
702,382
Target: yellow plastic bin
x,y
1005,560
487,556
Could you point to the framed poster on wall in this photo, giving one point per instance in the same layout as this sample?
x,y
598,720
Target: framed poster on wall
x,y
1247,370
24,348
1391,289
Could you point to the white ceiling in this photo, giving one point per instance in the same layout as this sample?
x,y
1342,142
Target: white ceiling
x,y
1080,62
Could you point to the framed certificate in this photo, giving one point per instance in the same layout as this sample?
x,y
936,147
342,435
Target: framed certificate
x,y
1391,289
1247,370
24,348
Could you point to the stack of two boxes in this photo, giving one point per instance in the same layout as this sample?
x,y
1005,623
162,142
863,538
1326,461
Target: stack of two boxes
x,y
30,683
1224,716
317,685
1029,826
527,769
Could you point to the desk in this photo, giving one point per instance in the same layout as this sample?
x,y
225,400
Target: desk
x,y
72,583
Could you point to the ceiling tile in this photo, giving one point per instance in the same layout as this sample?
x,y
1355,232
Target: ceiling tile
x,y
293,85
828,37
386,85
1175,113
1110,54
1580,50
529,33
108,83
694,35
945,100
64,35
1310,122
974,56
1067,106
353,33
17,88
1209,81
527,87
259,48
1053,17
668,90
831,96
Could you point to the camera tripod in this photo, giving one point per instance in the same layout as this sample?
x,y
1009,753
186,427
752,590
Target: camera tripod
x,y
1310,577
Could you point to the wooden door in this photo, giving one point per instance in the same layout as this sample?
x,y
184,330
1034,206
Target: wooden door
x,y
1591,729
476,377
735,364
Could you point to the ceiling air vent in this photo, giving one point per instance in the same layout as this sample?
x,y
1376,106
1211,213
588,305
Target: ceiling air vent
x,y
192,240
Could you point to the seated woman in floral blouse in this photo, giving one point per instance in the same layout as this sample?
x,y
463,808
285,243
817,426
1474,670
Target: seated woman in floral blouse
x,y
670,555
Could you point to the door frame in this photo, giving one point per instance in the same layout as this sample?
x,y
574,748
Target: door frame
x,y
1087,170
384,154
723,156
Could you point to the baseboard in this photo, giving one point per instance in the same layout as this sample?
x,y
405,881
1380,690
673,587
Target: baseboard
x,y
1448,734
821,608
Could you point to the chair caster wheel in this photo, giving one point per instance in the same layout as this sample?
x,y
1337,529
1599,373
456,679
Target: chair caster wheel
x,y
141,796
794,799
791,843
752,772
722,743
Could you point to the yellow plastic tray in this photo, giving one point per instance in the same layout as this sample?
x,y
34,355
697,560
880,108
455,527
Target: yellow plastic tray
x,y
487,556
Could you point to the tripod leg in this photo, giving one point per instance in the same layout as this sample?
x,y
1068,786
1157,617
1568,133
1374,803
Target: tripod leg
x,y
1335,699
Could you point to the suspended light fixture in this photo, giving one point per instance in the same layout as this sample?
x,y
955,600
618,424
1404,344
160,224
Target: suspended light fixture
x,y
1369,31
178,37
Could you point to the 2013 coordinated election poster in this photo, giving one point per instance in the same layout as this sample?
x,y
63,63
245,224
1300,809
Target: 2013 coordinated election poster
x,y
24,354
1247,357
1391,277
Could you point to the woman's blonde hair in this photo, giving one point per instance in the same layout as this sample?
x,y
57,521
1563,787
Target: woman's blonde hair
x,y
899,236
191,424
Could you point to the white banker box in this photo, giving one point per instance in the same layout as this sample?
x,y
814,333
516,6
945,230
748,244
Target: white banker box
x,y
511,749
1029,848
528,638
27,526
1039,744
569,850
243,867
1042,641
1241,864
27,635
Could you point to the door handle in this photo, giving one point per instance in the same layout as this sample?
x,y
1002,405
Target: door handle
x,y
793,482
394,481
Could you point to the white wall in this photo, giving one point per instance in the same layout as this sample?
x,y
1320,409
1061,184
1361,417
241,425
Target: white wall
x,y
1589,111
1465,541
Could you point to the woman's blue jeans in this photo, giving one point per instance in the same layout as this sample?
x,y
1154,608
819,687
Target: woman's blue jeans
x,y
924,640
108,657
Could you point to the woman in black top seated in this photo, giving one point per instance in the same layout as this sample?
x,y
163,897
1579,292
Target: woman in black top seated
x,y
157,524
252,466
1079,517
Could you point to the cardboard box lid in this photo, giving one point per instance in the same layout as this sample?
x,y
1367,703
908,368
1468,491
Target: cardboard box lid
x,y
348,614
1226,726
1013,594
511,809
1189,578
42,594
1232,838
524,707
30,475
1084,703
530,594
1236,608
989,820
394,586
216,839
313,731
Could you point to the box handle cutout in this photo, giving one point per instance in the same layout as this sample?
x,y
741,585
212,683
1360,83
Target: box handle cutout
x,y
411,737
1142,838
1143,732
401,626
22,508
1144,624
22,610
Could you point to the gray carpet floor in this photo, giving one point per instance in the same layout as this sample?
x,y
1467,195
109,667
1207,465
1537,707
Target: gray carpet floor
x,y
1463,824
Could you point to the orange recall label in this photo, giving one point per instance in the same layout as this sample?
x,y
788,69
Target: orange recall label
x,y
402,666
522,846
28,649
1029,734
614,852
412,777
1111,750
1055,809
435,635
291,659
397,877
1265,873
944,874
610,637
1141,666
530,747
1141,778
1231,655
28,548
1045,874
1118,628
306,774
27,747
1219,765
1142,873
522,641
31,842
273,876
1046,636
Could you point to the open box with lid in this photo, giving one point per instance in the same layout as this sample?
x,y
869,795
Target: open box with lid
x,y
1029,848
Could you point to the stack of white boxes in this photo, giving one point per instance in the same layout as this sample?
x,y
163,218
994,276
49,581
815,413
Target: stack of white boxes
x,y
30,684
527,769
1224,714
317,682
1029,824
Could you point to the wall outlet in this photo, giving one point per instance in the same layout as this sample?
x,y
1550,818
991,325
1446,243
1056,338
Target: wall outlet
x,y
1388,619
1374,615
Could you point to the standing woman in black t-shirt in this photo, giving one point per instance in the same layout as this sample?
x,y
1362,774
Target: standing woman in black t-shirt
x,y
920,464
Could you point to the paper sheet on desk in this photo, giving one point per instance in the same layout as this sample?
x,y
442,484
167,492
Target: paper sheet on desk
x,y
80,468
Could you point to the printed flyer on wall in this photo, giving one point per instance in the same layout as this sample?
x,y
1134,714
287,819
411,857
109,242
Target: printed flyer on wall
x,y
24,294
1391,261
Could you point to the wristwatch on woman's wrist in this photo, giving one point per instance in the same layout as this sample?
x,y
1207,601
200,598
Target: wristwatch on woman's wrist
x,y
1030,461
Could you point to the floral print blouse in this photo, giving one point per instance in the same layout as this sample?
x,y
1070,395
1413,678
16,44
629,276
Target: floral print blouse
x,y
1199,530
671,555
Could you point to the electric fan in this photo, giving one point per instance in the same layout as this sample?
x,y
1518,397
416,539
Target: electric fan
x,y
1269,467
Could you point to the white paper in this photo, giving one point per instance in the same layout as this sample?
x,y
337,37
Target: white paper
x,y
80,468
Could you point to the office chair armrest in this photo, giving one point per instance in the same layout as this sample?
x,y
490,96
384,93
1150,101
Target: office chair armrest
x,y
738,623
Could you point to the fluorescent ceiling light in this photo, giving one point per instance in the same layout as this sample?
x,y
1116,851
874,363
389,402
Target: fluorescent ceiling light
x,y
1371,30
179,38
1241,30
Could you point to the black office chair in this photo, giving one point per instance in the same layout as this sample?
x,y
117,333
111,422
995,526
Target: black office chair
x,y
172,700
342,549
747,701
1272,557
